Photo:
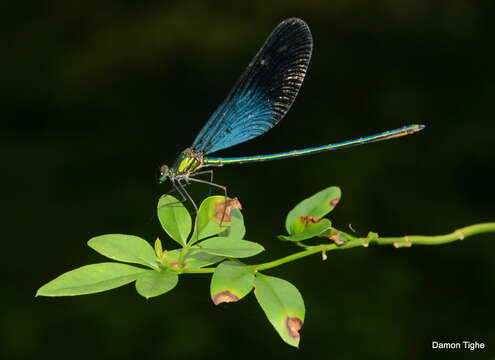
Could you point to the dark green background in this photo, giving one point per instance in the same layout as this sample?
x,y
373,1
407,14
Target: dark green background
x,y
95,96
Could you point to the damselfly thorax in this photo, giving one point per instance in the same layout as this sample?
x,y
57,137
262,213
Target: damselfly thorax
x,y
185,170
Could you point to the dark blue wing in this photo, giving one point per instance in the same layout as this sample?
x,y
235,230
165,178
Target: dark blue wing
x,y
264,92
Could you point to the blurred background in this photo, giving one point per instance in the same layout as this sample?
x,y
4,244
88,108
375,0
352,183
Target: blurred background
x,y
96,95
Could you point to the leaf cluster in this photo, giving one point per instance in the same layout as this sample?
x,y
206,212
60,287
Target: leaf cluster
x,y
216,237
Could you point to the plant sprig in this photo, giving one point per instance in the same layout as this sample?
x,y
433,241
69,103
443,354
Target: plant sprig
x,y
217,237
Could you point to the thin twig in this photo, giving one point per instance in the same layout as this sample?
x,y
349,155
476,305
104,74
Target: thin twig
x,y
403,241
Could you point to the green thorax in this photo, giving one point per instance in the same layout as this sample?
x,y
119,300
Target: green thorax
x,y
188,162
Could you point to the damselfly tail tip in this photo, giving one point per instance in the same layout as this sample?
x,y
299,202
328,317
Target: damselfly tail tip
x,y
414,128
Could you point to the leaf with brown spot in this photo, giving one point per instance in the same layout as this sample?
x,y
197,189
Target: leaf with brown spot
x,y
224,297
316,206
309,219
230,282
293,325
283,306
214,217
307,227
223,209
334,202
236,230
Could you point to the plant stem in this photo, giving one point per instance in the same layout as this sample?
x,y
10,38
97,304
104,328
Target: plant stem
x,y
182,255
403,241
295,256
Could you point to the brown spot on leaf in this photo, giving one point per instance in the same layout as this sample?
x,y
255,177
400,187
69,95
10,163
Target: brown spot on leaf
x,y
309,219
224,208
336,239
293,326
224,297
175,265
334,202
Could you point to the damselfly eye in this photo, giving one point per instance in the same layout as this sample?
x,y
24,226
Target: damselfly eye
x,y
162,173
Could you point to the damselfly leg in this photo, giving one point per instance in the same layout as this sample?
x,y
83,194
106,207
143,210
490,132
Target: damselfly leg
x,y
210,183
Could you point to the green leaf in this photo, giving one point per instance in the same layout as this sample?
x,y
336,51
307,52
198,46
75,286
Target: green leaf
x,y
214,217
127,248
237,229
91,279
230,282
175,218
316,206
230,247
283,305
307,227
194,259
153,283
158,248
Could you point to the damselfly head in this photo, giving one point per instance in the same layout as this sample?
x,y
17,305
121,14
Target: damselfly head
x,y
163,173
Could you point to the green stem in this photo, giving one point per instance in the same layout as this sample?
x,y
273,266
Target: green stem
x,y
298,255
182,255
403,241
